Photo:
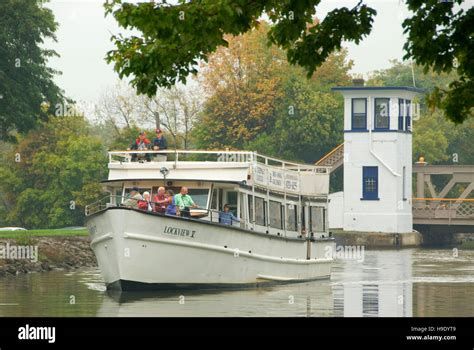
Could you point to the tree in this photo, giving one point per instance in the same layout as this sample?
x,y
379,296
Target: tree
x,y
439,140
118,108
124,112
430,139
308,124
174,38
243,87
51,174
176,109
407,74
257,101
441,38
27,90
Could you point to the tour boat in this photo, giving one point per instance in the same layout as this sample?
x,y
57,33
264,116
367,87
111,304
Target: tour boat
x,y
281,236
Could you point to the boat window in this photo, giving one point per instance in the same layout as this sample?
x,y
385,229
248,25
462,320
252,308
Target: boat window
x,y
291,217
276,215
232,201
242,206
220,199
118,196
214,204
199,196
317,219
260,217
251,218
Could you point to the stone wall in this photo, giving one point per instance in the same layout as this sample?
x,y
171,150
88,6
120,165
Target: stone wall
x,y
377,239
53,253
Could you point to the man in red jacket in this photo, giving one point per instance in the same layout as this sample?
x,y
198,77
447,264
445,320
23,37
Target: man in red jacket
x,y
140,144
161,202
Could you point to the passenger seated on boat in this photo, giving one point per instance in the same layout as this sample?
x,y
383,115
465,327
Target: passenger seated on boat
x,y
171,209
159,142
226,217
145,203
184,202
160,201
132,200
140,144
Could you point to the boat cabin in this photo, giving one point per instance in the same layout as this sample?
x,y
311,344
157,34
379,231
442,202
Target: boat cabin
x,y
266,194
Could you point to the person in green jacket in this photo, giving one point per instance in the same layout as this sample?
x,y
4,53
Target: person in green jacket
x,y
184,202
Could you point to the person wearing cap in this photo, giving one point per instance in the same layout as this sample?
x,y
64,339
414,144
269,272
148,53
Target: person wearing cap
x,y
140,144
226,217
159,142
133,199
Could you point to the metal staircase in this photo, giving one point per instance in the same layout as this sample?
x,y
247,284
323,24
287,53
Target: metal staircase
x,y
333,159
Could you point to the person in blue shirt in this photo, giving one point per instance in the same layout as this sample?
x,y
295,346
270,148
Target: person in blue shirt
x,y
159,142
226,217
171,209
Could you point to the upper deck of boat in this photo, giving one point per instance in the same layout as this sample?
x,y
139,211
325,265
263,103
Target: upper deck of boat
x,y
244,167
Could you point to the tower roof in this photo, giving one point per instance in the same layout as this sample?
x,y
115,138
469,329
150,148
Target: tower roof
x,y
369,88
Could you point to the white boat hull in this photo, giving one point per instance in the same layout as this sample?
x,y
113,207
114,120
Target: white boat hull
x,y
140,250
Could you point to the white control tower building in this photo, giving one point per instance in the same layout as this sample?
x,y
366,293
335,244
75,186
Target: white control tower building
x,y
378,158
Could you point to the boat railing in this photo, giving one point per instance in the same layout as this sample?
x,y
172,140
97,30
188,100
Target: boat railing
x,y
180,156
108,201
103,203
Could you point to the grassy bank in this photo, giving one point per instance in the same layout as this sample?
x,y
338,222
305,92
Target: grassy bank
x,y
467,245
42,233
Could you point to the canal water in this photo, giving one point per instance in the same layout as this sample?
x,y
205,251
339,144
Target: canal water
x,y
404,283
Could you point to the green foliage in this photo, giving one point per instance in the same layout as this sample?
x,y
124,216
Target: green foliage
x,y
174,38
308,45
244,86
400,74
438,139
308,124
441,38
430,139
257,101
59,162
127,135
25,81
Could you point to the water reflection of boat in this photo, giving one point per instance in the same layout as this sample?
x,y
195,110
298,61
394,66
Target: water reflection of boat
x,y
312,299
282,233
123,297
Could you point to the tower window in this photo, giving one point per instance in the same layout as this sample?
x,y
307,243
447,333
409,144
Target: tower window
x,y
408,115
359,114
370,183
382,113
400,113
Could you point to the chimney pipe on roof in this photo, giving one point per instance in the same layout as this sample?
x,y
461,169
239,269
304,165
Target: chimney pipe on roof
x,y
358,82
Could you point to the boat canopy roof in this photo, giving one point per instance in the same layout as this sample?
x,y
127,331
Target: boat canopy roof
x,y
245,167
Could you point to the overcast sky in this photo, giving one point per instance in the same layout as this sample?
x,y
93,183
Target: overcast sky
x,y
84,38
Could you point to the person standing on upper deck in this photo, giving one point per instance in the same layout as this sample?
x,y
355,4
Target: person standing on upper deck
x,y
159,142
140,144
184,202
